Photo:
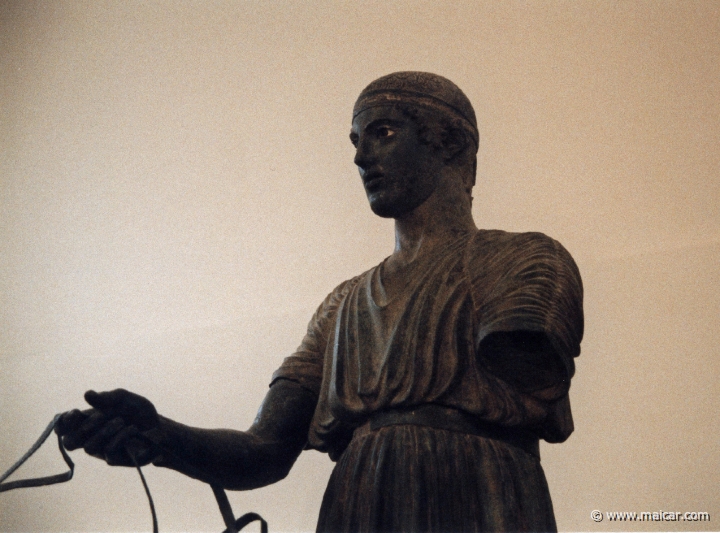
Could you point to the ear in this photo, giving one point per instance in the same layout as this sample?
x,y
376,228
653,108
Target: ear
x,y
470,179
454,141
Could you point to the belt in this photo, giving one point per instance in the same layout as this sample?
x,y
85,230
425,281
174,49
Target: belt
x,y
449,419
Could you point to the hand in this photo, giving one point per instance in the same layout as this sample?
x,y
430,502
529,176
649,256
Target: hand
x,y
120,423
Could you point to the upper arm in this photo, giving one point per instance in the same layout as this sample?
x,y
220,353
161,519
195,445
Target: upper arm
x,y
527,360
306,365
527,295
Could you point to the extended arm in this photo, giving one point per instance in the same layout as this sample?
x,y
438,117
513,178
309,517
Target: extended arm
x,y
264,454
240,460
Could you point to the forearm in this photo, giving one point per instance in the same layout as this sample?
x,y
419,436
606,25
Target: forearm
x,y
242,460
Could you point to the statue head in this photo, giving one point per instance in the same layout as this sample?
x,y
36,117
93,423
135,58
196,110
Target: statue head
x,y
444,139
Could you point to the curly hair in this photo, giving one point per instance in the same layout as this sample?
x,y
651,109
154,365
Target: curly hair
x,y
437,130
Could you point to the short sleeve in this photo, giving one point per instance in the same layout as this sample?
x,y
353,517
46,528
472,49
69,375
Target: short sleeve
x,y
529,283
305,366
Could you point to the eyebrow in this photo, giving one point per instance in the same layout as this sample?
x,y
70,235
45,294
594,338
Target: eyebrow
x,y
389,121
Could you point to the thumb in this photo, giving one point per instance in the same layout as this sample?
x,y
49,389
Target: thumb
x,y
132,408
107,402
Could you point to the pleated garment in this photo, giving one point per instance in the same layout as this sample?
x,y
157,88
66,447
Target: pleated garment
x,y
412,478
366,353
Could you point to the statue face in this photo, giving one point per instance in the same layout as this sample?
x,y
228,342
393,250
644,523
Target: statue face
x,y
399,171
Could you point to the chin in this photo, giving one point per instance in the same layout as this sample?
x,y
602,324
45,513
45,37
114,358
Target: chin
x,y
387,205
382,210
388,209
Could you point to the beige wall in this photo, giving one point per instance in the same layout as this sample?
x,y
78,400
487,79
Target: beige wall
x,y
178,195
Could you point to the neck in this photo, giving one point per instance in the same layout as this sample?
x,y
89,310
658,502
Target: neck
x,y
444,215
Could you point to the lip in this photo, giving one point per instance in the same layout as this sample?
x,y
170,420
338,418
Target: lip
x,y
372,179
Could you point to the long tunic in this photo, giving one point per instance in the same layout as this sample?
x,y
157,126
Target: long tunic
x,y
365,353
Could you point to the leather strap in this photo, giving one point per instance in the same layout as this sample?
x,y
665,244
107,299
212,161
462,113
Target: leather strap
x,y
40,481
233,525
60,478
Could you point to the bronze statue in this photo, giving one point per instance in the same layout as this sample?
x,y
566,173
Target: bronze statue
x,y
429,379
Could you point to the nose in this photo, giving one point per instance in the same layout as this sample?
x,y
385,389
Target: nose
x,y
364,156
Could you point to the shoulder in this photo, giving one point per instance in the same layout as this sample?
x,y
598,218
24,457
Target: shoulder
x,y
325,314
526,281
339,293
489,242
502,252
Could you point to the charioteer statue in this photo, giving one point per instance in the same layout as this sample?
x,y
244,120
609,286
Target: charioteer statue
x,y
429,379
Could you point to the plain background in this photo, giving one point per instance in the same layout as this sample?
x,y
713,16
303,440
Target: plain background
x,y
178,195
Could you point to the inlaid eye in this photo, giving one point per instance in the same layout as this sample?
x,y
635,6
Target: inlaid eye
x,y
385,131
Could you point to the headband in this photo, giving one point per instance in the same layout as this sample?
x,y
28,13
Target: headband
x,y
423,90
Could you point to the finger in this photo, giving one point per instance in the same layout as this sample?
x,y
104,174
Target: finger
x,y
70,421
132,407
144,450
116,452
108,402
76,439
147,455
96,444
